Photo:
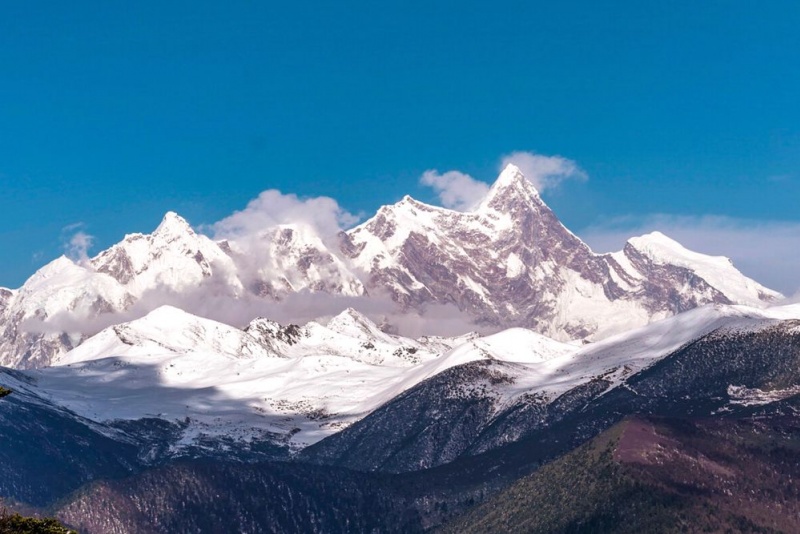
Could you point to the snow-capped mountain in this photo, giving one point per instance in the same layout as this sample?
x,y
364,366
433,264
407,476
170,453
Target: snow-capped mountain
x,y
42,318
509,262
173,258
65,302
291,258
290,385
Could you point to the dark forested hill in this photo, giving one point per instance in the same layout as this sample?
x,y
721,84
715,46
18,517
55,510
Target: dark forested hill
x,y
659,475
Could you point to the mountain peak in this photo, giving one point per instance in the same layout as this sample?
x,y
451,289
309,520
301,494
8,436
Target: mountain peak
x,y
353,323
510,184
717,271
510,175
173,225
658,245
665,250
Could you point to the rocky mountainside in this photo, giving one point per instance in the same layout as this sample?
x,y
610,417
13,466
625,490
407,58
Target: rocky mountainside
x,y
47,451
644,474
702,363
509,262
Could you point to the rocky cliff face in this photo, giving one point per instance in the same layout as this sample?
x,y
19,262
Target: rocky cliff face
x,y
511,262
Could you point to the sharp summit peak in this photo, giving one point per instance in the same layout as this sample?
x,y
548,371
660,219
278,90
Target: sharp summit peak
x,y
512,176
172,223
510,183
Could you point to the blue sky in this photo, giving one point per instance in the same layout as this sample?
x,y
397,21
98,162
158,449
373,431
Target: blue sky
x,y
683,115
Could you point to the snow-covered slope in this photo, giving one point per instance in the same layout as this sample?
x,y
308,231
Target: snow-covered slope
x,y
301,383
38,320
548,368
168,330
515,345
695,363
509,262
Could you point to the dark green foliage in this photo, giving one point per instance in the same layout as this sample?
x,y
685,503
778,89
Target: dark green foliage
x,y
4,392
17,524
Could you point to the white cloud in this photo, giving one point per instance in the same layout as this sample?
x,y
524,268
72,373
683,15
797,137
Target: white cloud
x,y
544,172
78,244
462,192
272,208
238,311
456,190
767,251
252,229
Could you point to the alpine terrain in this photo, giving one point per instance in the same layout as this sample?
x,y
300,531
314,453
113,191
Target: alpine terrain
x,y
509,262
150,389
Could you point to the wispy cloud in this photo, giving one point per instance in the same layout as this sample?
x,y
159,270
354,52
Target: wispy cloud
x,y
76,242
456,190
238,311
462,192
544,172
272,208
768,251
315,222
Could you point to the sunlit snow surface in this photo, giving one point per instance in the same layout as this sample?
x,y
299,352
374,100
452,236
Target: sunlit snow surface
x,y
509,261
318,379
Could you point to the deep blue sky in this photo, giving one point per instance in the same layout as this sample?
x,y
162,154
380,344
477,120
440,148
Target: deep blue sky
x,y
112,113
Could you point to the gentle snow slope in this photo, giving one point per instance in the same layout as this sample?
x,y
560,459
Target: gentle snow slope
x,y
233,383
302,384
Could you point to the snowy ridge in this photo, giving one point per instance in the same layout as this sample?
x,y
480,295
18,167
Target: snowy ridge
x,y
167,330
56,308
509,262
547,369
232,383
172,258
718,271
305,383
